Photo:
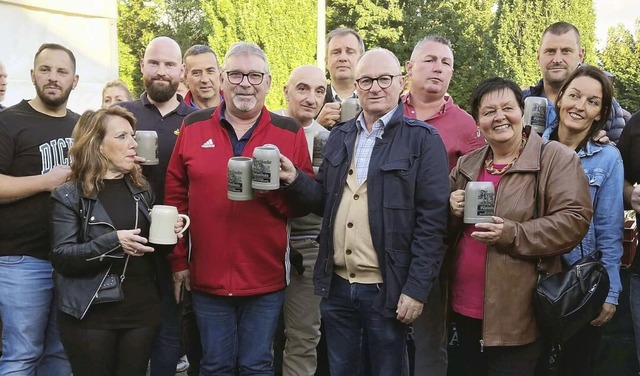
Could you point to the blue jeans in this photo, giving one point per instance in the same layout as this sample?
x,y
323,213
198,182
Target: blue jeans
x,y
237,332
347,313
30,340
166,349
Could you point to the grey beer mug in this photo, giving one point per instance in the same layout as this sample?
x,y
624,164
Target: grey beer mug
x,y
239,172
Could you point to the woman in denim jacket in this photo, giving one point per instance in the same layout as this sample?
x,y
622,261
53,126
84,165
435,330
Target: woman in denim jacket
x,y
584,104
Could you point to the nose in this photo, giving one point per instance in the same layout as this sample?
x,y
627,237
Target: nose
x,y
133,143
499,115
437,66
557,57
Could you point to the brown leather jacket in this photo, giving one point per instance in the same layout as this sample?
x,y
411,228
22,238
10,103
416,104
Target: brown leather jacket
x,y
565,211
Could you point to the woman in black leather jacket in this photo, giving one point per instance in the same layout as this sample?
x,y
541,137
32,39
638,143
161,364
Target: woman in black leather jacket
x,y
100,220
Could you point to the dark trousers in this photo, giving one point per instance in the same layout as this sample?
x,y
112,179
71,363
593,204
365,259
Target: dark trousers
x,y
348,313
191,335
102,352
493,360
575,357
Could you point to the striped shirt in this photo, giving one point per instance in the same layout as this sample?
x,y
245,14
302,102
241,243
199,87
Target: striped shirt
x,y
365,142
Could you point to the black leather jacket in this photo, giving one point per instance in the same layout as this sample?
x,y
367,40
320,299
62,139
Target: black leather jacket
x,y
84,244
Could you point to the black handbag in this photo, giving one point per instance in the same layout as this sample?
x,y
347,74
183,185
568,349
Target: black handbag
x,y
110,290
567,301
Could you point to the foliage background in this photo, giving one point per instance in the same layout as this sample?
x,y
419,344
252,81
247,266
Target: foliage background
x,y
489,37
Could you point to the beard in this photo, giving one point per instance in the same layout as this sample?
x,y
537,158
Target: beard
x,y
244,105
160,93
53,101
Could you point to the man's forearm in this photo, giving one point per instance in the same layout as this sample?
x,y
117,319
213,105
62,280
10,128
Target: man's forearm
x,y
14,188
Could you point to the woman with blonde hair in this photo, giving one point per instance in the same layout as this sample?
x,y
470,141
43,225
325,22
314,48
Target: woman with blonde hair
x,y
100,221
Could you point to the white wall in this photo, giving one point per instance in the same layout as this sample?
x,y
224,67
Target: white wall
x,y
86,27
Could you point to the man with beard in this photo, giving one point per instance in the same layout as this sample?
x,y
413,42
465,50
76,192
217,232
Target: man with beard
x,y
239,258
160,109
202,77
35,137
559,54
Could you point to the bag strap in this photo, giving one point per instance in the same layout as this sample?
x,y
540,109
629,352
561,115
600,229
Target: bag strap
x,y
536,204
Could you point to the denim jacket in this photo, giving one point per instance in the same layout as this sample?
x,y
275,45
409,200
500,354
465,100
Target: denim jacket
x,y
603,166
613,126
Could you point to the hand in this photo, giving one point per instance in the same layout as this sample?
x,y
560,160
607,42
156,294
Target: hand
x,y
138,159
456,202
608,310
288,171
635,198
181,280
602,138
491,231
178,227
408,309
57,176
329,115
132,243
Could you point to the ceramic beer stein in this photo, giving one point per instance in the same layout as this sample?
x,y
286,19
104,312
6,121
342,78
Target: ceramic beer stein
x,y
535,113
147,146
479,201
163,219
239,172
266,168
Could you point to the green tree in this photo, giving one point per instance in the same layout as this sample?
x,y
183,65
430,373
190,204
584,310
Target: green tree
x,y
185,22
518,27
285,30
379,22
137,26
621,56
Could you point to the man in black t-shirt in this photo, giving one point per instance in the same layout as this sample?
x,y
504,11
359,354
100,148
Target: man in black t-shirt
x,y
161,109
35,137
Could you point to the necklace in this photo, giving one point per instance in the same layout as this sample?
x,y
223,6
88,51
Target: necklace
x,y
488,163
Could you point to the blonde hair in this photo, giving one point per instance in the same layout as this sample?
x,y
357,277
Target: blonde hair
x,y
89,165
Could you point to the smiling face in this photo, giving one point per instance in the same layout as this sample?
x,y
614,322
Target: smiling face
x,y
245,100
119,147
343,52
580,105
377,101
559,56
54,77
431,68
305,93
500,117
161,69
203,76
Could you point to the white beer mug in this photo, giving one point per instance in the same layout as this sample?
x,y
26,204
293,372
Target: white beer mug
x,y
163,220
479,201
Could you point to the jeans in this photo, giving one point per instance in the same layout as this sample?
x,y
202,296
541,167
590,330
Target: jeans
x,y
347,313
237,332
301,315
30,340
634,302
166,349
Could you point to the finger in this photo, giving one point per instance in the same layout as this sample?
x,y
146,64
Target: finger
x,y
177,287
138,159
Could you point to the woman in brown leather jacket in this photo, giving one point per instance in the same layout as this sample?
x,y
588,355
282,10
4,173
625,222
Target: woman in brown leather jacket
x,y
492,266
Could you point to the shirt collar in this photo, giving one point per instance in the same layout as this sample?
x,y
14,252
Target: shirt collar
x,y
336,97
378,125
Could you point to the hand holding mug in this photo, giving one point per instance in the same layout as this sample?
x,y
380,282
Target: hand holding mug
x,y
456,202
288,171
329,115
165,220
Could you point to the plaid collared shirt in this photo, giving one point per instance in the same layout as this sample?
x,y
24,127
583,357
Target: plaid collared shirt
x,y
365,142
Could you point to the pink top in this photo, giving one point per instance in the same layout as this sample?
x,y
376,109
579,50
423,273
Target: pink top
x,y
467,290
455,126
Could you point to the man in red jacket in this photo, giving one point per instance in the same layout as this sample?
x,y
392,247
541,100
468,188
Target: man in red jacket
x,y
239,249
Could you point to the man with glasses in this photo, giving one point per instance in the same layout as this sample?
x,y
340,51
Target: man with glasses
x,y
239,249
383,192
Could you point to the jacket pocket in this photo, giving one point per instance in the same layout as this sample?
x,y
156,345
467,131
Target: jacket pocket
x,y
399,179
396,273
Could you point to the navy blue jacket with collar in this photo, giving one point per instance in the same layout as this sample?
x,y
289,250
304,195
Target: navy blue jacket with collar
x,y
408,197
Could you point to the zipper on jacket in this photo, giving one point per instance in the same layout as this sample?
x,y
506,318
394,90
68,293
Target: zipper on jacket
x,y
95,294
102,256
481,345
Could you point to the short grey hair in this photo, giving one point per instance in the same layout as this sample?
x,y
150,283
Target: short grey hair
x,y
198,49
246,49
430,38
342,31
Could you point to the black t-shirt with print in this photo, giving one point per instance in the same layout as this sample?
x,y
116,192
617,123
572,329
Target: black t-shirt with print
x,y
31,143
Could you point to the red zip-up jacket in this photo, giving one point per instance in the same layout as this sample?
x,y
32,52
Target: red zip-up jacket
x,y
238,248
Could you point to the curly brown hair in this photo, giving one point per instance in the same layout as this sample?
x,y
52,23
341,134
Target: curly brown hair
x,y
89,165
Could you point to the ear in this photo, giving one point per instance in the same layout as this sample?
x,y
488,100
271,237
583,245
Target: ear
x,y
409,66
33,77
286,93
75,81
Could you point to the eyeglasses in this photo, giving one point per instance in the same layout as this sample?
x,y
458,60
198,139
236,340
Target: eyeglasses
x,y
384,81
254,78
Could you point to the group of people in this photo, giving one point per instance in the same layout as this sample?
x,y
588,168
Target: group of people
x,y
363,245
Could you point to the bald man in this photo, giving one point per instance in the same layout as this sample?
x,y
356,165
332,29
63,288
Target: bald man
x,y
161,109
304,93
383,192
